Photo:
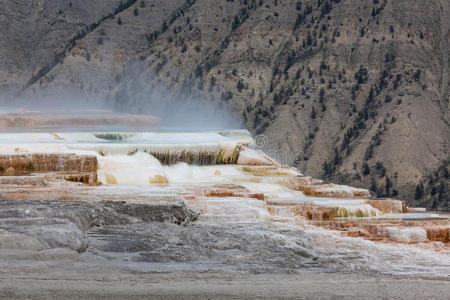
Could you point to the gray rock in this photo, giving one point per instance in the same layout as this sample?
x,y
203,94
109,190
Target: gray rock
x,y
53,233
14,240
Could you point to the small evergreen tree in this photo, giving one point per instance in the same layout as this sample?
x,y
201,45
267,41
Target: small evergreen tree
x,y
373,186
240,85
388,185
366,169
235,22
164,27
419,191
321,95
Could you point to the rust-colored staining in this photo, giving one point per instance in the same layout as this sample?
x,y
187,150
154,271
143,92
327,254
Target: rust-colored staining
x,y
110,179
333,191
40,162
219,191
381,229
387,205
439,233
315,212
265,171
294,182
159,179
29,169
248,179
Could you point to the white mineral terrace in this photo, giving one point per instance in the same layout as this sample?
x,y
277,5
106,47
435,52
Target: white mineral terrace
x,y
221,176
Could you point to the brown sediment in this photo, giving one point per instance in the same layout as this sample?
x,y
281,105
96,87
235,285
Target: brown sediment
x,y
36,169
316,212
271,173
132,152
159,179
265,171
439,233
47,120
294,183
110,179
200,158
304,210
388,205
258,168
225,157
194,193
230,193
333,191
248,179
415,209
360,193
379,229
89,178
49,162
385,230
10,171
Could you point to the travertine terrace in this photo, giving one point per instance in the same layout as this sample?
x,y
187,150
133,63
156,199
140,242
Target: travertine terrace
x,y
57,119
89,191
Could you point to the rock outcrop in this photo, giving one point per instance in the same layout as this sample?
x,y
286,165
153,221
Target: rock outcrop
x,y
38,225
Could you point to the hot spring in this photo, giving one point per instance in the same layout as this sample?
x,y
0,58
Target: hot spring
x,y
219,174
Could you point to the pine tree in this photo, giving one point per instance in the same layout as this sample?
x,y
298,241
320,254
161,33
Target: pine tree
x,y
419,191
164,27
309,39
366,169
388,185
373,186
235,22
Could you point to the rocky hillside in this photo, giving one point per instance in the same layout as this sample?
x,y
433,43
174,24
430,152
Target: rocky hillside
x,y
353,91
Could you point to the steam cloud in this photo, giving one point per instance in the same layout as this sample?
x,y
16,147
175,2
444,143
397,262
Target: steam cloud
x,y
137,92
